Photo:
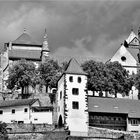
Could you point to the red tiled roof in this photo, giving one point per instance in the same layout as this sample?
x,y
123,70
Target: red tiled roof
x,y
24,54
74,68
20,102
114,105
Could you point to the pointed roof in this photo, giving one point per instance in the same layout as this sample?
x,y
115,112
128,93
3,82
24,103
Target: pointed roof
x,y
25,39
131,37
74,68
45,42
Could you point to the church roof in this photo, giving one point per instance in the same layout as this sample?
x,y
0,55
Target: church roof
x,y
17,54
25,39
74,68
114,105
134,53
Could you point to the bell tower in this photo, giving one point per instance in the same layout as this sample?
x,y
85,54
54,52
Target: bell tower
x,y
45,49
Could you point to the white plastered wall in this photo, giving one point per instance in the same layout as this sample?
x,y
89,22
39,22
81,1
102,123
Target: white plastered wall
x,y
77,119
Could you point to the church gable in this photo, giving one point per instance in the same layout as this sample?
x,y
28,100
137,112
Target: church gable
x,y
134,43
124,57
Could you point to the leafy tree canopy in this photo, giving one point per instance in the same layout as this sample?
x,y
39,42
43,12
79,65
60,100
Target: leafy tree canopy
x,y
49,71
111,77
21,74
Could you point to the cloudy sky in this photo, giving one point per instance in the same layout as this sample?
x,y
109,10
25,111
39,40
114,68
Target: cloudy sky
x,y
75,27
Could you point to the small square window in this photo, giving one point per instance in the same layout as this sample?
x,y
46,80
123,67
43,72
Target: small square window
x,y
13,111
79,80
71,79
1,112
75,91
25,109
75,105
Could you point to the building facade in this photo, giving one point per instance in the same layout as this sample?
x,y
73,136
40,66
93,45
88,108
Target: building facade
x,y
25,111
72,100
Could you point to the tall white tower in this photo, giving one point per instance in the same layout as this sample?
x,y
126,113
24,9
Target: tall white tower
x,y
45,49
72,100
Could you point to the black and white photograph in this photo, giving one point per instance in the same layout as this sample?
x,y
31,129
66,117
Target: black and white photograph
x,y
69,70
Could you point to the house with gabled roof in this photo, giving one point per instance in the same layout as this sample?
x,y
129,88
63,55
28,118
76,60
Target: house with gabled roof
x,y
114,113
25,111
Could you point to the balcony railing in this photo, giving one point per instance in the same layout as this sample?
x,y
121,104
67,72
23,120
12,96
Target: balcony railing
x,y
94,122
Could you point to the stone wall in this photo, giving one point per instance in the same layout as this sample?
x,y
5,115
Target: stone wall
x,y
14,127
107,133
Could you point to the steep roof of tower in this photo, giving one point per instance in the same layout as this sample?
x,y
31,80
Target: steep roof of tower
x,y
25,39
131,37
45,42
74,68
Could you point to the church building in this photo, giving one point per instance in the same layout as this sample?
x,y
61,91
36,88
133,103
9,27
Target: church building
x,y
128,53
24,47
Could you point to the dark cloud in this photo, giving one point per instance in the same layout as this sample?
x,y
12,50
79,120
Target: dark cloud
x,y
74,27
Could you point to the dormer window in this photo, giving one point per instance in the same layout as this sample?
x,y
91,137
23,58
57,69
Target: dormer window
x,y
123,58
71,78
79,80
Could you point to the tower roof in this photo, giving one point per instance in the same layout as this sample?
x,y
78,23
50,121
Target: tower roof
x,y
25,39
45,42
74,68
131,37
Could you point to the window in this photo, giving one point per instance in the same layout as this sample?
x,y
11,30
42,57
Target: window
x,y
25,109
75,105
71,79
60,94
79,80
13,111
134,122
123,58
1,112
75,91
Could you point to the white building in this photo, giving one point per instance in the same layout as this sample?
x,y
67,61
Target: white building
x,y
72,100
127,54
25,111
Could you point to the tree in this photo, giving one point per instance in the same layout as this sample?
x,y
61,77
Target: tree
x,y
49,72
137,82
21,75
110,77
97,76
3,131
121,81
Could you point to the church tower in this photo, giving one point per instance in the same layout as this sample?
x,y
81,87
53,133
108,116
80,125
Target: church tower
x,y
72,100
45,50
